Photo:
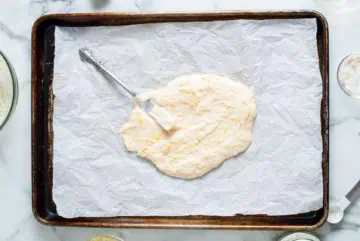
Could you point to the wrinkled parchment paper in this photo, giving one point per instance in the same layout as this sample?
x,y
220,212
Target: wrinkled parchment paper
x,y
279,174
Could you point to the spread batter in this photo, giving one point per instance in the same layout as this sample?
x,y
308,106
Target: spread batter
x,y
213,122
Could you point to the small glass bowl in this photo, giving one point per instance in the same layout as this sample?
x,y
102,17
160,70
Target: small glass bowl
x,y
299,236
351,63
106,238
15,91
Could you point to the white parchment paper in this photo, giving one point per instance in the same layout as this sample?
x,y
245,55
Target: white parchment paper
x,y
279,174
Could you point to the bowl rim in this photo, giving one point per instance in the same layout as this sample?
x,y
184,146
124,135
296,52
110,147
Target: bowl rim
x,y
15,90
106,236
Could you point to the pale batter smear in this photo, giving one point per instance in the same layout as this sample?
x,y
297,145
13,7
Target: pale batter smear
x,y
214,117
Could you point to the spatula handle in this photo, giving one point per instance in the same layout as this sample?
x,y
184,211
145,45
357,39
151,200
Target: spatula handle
x,y
354,192
86,54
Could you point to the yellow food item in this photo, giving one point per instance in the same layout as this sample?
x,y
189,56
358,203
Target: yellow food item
x,y
212,125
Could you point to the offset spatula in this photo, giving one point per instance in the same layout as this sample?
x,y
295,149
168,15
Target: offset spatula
x,y
161,116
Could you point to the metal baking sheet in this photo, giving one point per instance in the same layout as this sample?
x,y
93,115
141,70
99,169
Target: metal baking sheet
x,y
42,135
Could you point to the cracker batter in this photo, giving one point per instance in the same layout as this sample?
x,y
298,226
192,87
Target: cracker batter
x,y
213,122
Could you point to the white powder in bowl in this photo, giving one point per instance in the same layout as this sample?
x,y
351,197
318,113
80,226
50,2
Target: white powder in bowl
x,y
349,75
6,89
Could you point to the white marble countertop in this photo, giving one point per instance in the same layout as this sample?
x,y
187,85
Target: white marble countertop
x,y
16,19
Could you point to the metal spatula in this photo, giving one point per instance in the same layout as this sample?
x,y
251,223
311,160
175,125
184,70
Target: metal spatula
x,y
165,120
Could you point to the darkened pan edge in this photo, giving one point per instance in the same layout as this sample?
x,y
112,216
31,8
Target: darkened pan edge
x,y
42,53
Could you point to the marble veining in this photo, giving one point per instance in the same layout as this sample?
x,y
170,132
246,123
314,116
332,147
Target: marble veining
x,y
16,19
340,121
6,30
